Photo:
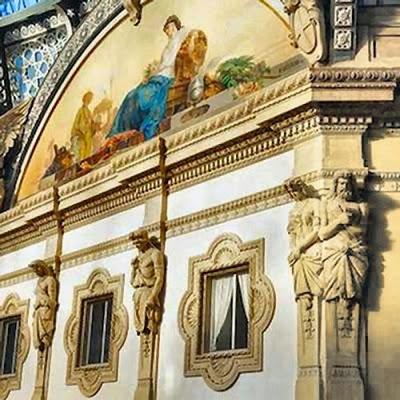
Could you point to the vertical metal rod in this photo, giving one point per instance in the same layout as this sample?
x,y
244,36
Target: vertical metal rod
x,y
103,339
3,361
89,333
234,277
15,345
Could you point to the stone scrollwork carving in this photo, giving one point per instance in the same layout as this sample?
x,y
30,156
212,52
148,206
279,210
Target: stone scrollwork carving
x,y
13,306
90,378
45,306
307,21
220,369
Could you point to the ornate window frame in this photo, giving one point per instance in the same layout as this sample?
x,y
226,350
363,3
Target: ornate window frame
x,y
90,378
13,306
221,369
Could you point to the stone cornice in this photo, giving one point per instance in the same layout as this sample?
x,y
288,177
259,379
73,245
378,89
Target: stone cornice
x,y
384,181
274,197
262,125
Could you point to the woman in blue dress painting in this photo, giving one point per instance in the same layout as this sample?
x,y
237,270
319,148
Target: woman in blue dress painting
x,y
144,107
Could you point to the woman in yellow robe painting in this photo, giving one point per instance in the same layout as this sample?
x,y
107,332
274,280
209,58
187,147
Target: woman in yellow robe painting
x,y
145,107
83,129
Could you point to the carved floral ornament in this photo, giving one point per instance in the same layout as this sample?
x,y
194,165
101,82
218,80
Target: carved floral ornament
x,y
90,378
13,306
220,369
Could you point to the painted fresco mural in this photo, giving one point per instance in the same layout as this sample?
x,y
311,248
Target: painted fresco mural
x,y
181,64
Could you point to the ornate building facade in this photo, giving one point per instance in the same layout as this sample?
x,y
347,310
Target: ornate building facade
x,y
199,200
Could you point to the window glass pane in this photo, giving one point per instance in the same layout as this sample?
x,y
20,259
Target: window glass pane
x,y
9,343
95,334
224,339
229,310
241,323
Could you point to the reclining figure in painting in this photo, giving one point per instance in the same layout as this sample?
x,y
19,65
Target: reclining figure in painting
x,y
145,107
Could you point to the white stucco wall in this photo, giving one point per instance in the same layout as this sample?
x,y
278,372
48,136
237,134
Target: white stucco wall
x,y
104,229
278,375
245,181
127,376
277,379
21,258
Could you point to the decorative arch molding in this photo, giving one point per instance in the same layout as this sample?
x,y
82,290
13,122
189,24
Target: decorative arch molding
x,y
13,306
221,369
91,378
106,15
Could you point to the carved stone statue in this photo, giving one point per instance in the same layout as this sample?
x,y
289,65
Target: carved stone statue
x,y
344,250
304,225
135,9
45,306
307,21
148,273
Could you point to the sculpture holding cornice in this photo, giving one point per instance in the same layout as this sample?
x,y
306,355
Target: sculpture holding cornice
x,y
345,265
345,257
148,270
307,21
45,306
148,280
303,228
330,264
44,323
306,265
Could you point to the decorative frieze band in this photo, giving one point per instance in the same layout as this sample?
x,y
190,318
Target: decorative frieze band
x,y
267,199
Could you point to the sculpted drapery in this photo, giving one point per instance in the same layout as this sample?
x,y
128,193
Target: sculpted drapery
x,y
328,240
145,107
329,264
344,250
305,256
45,306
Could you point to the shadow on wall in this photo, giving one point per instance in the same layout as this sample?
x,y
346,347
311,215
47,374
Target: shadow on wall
x,y
379,242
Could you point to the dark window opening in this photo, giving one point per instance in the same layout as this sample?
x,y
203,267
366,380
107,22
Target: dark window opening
x,y
9,330
95,331
233,334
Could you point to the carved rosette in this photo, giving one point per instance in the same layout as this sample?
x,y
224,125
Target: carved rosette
x,y
90,378
13,306
221,369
